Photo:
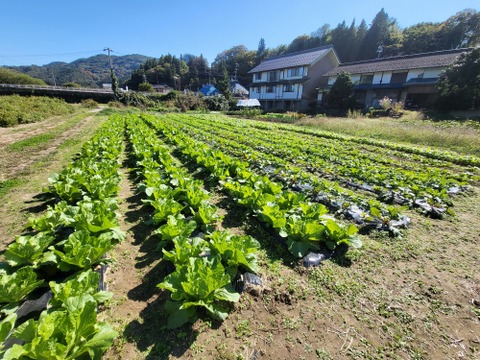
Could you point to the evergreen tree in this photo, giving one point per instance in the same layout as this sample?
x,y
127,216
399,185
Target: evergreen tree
x,y
375,36
340,95
340,41
261,52
359,38
223,84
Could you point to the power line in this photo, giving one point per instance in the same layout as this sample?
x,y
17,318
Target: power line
x,y
59,54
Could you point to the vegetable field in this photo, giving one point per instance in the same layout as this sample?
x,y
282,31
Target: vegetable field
x,y
202,236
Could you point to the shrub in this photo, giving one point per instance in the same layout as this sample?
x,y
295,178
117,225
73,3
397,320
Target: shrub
x,y
89,103
8,76
189,101
15,109
146,87
216,103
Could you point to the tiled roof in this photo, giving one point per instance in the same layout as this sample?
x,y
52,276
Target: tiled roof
x,y
300,58
397,63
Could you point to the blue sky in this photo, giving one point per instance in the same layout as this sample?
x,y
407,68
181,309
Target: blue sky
x,y
39,32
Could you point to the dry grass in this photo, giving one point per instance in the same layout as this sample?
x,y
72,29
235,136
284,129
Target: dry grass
x,y
461,137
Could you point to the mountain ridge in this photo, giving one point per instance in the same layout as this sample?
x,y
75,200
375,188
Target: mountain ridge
x,y
91,71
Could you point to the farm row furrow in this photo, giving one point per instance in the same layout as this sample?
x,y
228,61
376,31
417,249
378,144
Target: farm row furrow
x,y
207,261
62,249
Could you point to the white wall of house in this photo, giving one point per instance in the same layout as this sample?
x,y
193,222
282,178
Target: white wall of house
x,y
255,92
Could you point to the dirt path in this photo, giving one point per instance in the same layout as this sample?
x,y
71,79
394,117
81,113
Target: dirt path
x,y
23,131
132,279
32,169
11,166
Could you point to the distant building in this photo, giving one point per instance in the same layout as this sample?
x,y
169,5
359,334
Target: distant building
x,y
289,82
411,79
237,89
162,88
107,86
209,90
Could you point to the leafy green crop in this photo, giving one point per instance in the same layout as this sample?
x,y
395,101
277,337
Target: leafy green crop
x,y
203,283
235,251
82,250
81,283
15,286
66,334
28,249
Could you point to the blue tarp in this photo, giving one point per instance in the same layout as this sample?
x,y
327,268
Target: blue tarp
x,y
209,90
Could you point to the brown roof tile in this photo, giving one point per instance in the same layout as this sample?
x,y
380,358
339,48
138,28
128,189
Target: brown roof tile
x,y
397,63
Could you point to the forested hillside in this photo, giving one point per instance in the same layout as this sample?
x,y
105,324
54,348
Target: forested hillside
x,y
90,71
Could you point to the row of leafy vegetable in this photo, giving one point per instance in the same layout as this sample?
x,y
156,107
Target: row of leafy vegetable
x,y
365,211
369,152
304,225
427,152
206,260
62,249
428,188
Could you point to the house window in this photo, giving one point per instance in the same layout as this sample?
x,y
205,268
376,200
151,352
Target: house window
x,y
270,89
273,76
288,88
293,72
257,76
399,78
256,89
366,79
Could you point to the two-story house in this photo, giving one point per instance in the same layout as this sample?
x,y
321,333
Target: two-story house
x,y
288,82
411,79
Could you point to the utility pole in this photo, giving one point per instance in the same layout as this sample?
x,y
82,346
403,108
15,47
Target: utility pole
x,y
109,57
116,92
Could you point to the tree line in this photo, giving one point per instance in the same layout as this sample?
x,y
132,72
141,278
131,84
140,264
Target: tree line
x,y
383,37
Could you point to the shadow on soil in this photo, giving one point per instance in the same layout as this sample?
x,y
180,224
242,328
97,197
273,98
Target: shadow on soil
x,y
149,332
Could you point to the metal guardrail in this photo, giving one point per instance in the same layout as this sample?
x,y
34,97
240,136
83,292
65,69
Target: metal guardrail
x,y
57,88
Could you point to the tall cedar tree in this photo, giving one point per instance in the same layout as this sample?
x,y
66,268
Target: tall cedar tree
x,y
375,37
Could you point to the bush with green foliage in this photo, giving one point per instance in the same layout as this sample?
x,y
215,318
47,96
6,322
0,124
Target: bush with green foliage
x,y
247,112
217,103
89,103
189,101
340,96
8,76
145,87
459,85
16,109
